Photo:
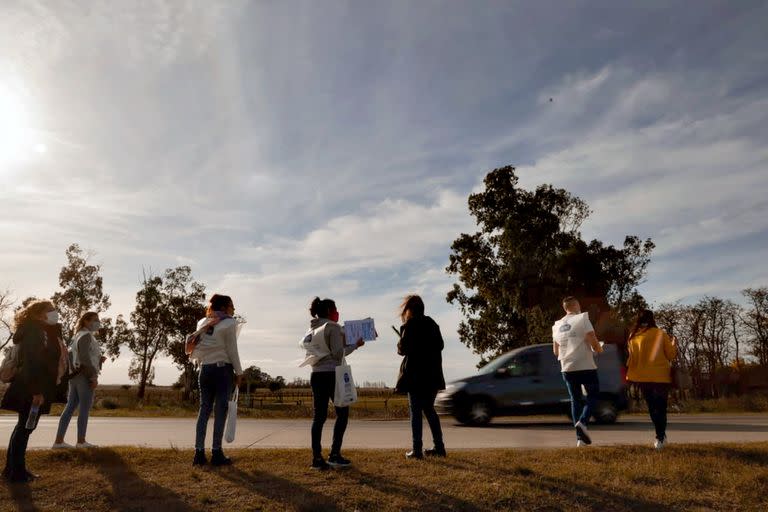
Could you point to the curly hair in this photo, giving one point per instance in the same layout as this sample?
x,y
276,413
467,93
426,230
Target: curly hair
x,y
31,311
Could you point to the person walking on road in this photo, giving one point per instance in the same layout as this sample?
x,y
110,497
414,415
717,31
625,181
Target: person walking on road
x,y
326,348
86,360
33,388
220,370
651,352
574,344
421,373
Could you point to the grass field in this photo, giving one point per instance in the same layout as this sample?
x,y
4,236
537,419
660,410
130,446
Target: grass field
x,y
729,477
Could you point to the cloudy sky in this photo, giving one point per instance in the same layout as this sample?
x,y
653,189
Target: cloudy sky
x,y
292,149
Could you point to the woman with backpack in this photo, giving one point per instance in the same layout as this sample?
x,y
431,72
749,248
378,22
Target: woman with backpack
x,y
326,348
33,388
421,373
86,359
651,352
220,370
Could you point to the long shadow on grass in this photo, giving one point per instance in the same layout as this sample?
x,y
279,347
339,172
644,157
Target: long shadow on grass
x,y
280,490
21,494
565,491
130,491
752,456
426,498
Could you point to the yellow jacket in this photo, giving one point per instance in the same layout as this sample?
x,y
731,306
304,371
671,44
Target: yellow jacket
x,y
651,353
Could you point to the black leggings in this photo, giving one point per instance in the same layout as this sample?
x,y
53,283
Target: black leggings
x,y
656,395
15,463
323,388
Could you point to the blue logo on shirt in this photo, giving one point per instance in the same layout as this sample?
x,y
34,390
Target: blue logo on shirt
x,y
565,328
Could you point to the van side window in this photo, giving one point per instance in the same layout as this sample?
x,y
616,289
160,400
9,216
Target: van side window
x,y
524,365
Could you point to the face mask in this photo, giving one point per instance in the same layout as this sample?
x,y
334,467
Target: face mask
x,y
52,317
334,316
95,326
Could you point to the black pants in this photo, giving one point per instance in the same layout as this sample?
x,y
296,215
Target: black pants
x,y
656,395
16,463
323,388
423,402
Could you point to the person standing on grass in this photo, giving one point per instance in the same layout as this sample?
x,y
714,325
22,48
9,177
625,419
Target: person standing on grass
x,y
421,374
220,370
87,360
651,352
34,385
326,348
574,344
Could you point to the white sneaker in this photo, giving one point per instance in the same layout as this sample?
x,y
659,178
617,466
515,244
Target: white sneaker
x,y
580,443
62,446
658,444
86,445
583,433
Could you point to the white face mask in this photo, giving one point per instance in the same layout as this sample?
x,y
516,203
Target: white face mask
x,y
52,317
95,326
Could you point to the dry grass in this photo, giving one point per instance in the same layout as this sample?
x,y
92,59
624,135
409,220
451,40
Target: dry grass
x,y
713,477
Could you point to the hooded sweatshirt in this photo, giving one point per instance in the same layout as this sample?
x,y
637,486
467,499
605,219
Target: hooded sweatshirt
x,y
337,344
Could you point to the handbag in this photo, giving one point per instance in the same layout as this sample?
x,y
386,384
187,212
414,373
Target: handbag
x,y
345,393
229,432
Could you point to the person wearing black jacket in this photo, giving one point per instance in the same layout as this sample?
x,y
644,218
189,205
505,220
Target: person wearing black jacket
x,y
35,382
421,373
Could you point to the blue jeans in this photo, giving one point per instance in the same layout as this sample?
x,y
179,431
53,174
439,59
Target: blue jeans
x,y
216,387
423,402
581,409
80,394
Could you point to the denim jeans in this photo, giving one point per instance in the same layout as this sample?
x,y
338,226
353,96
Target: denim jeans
x,y
216,387
656,395
15,461
423,402
80,394
581,408
323,388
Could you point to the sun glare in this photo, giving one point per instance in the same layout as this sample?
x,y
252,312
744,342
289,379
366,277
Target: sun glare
x,y
17,138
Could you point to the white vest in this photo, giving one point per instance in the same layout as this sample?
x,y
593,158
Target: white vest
x,y
94,355
315,345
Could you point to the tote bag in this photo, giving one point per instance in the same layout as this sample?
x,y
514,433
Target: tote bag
x,y
229,432
346,392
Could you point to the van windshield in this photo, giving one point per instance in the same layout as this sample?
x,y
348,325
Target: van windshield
x,y
494,365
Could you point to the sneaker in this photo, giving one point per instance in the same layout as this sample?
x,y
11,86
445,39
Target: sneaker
x,y
580,443
319,464
62,446
413,454
659,444
218,459
435,452
337,461
200,459
583,433
86,445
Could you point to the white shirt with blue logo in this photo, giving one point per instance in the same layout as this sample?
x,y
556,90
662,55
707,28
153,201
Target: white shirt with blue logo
x,y
570,334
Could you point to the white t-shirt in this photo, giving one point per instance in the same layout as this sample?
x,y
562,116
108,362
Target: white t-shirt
x,y
575,353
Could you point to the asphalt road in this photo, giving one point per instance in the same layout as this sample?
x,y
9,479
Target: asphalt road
x,y
522,432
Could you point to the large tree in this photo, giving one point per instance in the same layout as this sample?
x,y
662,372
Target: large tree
x,y
527,254
755,322
82,289
6,318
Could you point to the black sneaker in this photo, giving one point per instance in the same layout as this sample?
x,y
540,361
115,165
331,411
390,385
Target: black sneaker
x,y
413,454
337,461
200,459
435,452
319,464
218,459
582,433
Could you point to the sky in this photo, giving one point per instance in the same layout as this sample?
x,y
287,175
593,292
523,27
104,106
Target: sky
x,y
291,149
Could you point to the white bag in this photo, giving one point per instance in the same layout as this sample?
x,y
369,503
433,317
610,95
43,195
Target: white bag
x,y
229,432
346,392
315,346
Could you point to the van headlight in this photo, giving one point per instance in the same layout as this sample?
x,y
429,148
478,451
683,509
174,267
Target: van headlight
x,y
454,387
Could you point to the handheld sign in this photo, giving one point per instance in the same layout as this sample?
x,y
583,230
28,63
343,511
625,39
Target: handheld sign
x,y
357,329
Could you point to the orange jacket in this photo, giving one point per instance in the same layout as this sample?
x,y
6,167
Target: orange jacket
x,y
651,353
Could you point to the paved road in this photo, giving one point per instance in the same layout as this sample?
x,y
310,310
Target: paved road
x,y
538,432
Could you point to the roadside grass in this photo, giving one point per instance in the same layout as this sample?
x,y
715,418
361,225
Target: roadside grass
x,y
725,477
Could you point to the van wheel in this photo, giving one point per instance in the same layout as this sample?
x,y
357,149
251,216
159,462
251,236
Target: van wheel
x,y
606,413
480,412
